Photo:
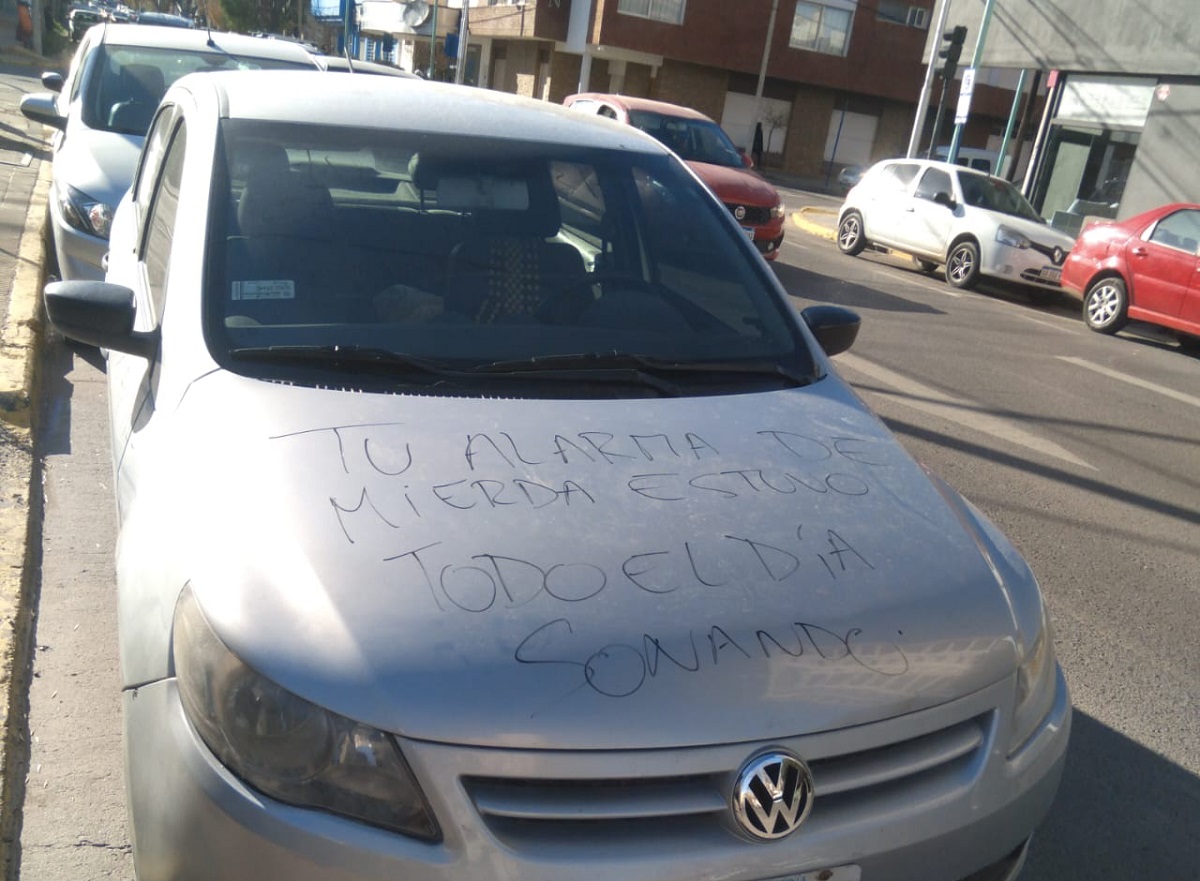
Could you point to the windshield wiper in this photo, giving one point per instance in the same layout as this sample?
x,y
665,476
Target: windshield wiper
x,y
345,356
650,365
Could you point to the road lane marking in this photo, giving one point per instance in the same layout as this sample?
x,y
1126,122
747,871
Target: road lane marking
x,y
959,411
1132,380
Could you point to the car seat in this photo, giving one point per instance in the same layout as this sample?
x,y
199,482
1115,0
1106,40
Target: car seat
x,y
141,89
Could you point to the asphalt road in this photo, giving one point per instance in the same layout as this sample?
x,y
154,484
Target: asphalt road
x,y
1084,449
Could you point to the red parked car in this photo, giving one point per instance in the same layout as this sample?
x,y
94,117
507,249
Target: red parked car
x,y
1146,268
705,147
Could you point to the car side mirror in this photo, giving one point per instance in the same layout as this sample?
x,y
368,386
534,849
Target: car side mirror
x,y
835,327
944,199
100,314
43,107
52,81
747,160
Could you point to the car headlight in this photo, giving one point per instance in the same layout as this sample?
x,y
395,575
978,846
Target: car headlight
x,y
1006,235
286,747
1036,683
778,210
84,213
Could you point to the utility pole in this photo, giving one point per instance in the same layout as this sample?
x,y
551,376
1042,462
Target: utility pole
x,y
923,102
762,69
976,57
460,63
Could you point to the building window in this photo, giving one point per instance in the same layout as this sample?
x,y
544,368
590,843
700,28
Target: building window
x,y
823,27
902,12
670,11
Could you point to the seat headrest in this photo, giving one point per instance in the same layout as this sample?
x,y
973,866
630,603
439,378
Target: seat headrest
x,y
143,83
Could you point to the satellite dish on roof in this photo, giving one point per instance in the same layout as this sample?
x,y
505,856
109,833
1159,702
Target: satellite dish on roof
x,y
415,13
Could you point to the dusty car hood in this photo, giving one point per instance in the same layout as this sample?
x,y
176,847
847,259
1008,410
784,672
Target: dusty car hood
x,y
577,574
101,164
736,184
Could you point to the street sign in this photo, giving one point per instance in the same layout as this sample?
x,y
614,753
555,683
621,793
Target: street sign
x,y
964,96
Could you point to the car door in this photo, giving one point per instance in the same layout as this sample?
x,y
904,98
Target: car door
x,y
927,224
140,260
884,200
1162,264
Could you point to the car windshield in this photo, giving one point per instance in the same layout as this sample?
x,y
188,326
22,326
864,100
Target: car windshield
x,y
126,83
696,140
422,253
995,194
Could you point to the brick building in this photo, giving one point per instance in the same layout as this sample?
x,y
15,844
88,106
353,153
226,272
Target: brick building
x,y
841,81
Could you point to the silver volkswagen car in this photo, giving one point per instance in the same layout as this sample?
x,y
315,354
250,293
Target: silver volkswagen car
x,y
487,511
102,110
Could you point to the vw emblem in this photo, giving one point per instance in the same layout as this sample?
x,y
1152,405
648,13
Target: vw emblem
x,y
1058,256
740,212
773,795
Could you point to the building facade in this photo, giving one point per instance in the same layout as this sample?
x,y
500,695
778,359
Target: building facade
x,y
832,82
1120,132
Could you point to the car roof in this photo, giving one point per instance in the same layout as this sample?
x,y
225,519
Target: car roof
x,y
936,163
629,102
409,103
339,63
201,40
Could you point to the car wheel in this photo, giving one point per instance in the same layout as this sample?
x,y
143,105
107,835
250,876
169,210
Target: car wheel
x,y
962,265
925,265
1105,305
850,238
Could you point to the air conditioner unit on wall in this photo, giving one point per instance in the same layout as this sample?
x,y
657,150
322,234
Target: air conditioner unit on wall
x,y
918,17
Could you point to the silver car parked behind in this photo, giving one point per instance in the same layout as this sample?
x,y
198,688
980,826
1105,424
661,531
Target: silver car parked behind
x,y
486,511
102,110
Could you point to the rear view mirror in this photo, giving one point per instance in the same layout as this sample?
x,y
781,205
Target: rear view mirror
x,y
43,107
835,327
52,80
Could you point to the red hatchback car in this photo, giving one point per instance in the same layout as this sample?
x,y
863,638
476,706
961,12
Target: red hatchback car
x,y
1146,268
705,147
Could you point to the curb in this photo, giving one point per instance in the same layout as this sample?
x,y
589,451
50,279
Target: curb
x,y
20,517
802,219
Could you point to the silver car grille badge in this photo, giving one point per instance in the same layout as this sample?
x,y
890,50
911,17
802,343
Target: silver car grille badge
x,y
772,795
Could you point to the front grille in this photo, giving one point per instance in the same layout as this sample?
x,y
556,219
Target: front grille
x,y
1051,278
530,813
755,216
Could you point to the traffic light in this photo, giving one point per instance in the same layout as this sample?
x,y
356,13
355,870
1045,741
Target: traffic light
x,y
952,50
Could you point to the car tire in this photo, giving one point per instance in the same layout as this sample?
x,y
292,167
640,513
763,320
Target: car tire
x,y
962,265
927,266
1105,305
850,238
1188,343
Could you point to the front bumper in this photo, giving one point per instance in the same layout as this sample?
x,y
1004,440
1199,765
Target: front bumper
x,y
1026,266
506,814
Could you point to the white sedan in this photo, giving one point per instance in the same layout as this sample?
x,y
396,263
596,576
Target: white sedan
x,y
486,511
975,224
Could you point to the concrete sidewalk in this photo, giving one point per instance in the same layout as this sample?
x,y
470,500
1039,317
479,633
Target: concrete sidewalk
x,y
24,183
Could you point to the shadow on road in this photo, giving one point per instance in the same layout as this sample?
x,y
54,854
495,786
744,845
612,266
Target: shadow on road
x,y
830,289
1122,811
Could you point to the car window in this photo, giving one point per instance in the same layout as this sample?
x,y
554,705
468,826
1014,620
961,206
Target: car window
x,y
473,251
934,181
150,160
160,221
127,82
995,194
1180,230
696,140
895,177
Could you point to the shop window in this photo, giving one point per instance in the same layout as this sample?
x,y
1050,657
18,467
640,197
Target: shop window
x,y
823,27
670,11
1083,175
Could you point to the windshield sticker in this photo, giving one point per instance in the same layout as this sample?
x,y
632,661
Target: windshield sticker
x,y
274,289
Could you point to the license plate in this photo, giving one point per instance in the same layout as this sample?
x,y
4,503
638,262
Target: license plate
x,y
749,231
1051,274
836,873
